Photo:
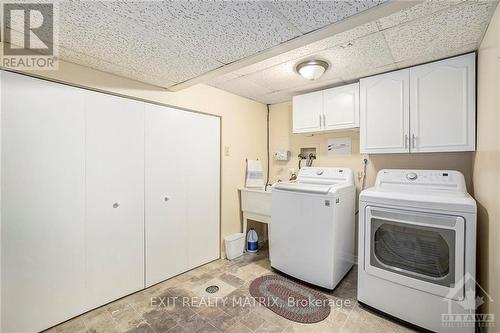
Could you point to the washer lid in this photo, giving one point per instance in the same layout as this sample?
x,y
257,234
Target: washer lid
x,y
306,188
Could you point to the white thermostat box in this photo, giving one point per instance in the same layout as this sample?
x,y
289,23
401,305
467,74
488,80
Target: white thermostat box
x,y
282,155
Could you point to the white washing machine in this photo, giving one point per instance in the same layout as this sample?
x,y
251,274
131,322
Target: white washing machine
x,y
312,228
417,249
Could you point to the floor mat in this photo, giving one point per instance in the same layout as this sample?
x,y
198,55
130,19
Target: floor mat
x,y
290,299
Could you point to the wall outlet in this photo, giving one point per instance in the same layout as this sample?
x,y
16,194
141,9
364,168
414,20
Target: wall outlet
x,y
226,151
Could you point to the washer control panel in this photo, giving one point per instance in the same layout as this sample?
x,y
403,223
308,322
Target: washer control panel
x,y
319,175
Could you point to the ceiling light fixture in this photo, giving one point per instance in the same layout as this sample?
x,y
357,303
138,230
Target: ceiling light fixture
x,y
312,69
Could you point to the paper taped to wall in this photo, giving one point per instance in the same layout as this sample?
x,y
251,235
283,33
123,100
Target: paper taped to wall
x,y
340,146
255,176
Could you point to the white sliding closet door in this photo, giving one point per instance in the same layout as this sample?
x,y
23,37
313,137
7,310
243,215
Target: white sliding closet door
x,y
203,188
166,193
182,191
43,198
115,197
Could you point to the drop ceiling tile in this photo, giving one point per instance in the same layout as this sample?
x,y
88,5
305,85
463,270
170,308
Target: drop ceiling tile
x,y
355,75
85,28
312,15
243,87
359,56
153,78
444,53
318,84
112,38
280,77
230,30
444,31
309,49
222,78
153,13
178,69
105,66
275,97
88,61
426,8
286,95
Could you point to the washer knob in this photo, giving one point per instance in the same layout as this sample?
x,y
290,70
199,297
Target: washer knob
x,y
319,172
411,176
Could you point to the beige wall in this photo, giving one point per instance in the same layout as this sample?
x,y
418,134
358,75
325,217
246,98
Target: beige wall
x,y
282,138
486,171
243,124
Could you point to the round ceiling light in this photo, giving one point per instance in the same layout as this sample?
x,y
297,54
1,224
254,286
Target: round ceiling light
x,y
312,69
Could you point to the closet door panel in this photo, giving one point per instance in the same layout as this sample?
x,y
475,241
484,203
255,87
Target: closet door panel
x,y
166,193
203,188
115,197
43,196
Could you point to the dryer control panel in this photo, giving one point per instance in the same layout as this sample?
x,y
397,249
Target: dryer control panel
x,y
445,180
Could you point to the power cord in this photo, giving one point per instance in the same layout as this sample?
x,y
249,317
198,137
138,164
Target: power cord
x,y
301,157
365,162
363,179
268,154
310,159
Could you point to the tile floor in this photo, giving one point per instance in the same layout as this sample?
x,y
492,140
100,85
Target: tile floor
x,y
181,304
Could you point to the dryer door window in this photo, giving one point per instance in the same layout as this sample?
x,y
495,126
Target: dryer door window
x,y
425,253
421,250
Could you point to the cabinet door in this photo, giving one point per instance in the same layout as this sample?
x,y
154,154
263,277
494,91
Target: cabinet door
x,y
167,166
341,107
115,197
384,113
43,198
203,188
443,105
307,112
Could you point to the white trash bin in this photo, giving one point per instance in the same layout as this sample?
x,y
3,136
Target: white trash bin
x,y
235,245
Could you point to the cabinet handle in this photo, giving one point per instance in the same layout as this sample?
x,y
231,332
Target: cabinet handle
x,y
324,120
320,123
406,140
414,141
116,205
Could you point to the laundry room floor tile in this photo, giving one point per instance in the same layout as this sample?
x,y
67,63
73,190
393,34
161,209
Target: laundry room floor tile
x,y
174,306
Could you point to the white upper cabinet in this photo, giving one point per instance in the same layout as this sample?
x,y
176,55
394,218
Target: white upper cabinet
x,y
384,115
114,197
308,112
443,106
327,110
427,108
341,107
